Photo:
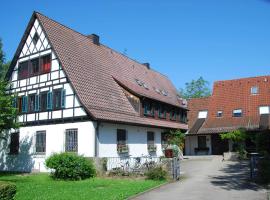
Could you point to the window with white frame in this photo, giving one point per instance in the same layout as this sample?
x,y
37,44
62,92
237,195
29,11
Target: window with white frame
x,y
40,141
264,110
202,114
71,140
254,90
219,113
237,113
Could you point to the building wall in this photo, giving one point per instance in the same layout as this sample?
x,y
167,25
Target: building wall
x,y
28,160
191,143
136,140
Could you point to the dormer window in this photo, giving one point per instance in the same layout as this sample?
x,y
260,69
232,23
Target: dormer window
x,y
237,113
254,90
162,112
202,114
148,109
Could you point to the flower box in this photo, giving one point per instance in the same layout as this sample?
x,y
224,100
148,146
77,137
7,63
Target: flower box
x,y
122,148
152,147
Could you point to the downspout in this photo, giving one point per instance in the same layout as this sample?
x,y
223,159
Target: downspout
x,y
97,139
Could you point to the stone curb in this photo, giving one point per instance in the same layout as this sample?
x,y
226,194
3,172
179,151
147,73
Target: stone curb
x,y
149,190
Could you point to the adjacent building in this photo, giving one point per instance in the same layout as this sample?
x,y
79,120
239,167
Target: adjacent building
x,y
75,94
234,104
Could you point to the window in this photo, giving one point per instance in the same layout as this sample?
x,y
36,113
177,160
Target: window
x,y
219,113
121,137
183,116
202,114
23,70
150,137
20,104
202,142
14,143
264,110
34,66
35,38
237,113
40,141
24,104
72,140
46,63
43,101
57,99
164,140
254,90
173,115
162,111
148,109
31,103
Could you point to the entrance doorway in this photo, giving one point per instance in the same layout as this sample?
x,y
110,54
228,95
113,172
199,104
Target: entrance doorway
x,y
219,146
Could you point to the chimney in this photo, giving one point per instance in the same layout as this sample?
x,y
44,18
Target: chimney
x,y
147,65
94,38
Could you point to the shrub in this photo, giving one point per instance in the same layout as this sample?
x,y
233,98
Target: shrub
x,y
7,190
70,166
157,173
264,170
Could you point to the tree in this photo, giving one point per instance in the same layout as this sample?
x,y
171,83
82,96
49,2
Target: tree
x,y
3,66
195,89
176,137
8,112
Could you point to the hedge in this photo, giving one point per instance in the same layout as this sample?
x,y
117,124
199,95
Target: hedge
x,y
7,190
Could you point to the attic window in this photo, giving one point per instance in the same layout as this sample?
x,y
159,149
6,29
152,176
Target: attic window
x,y
35,38
157,90
237,113
219,113
140,83
145,86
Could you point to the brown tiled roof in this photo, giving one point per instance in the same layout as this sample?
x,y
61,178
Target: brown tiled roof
x,y
93,69
230,95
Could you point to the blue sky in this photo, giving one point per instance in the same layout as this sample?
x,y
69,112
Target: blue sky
x,y
183,39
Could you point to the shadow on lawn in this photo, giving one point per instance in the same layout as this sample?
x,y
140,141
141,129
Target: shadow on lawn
x,y
235,176
22,162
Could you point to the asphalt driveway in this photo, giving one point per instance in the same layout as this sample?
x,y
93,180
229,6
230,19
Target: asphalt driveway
x,y
208,178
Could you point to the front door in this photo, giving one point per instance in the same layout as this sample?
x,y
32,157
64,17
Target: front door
x,y
219,146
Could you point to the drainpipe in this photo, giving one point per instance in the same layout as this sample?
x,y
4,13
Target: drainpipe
x,y
97,139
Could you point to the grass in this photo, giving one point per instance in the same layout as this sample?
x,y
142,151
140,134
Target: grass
x,y
42,186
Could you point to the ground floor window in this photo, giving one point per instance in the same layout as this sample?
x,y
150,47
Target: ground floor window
x,y
14,143
40,141
71,140
202,142
122,141
151,141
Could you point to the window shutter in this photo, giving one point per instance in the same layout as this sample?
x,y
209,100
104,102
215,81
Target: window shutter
x,y
37,103
24,104
63,98
49,101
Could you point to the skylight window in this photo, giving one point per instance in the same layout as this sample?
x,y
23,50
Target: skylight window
x,y
157,90
219,113
164,92
145,86
237,113
140,83
254,90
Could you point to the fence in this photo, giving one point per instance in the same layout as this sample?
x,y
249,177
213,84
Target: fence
x,y
138,165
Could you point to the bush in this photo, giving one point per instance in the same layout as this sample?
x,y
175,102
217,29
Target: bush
x,y
264,170
157,173
70,166
7,190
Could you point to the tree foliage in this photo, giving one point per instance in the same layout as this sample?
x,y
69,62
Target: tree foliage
x,y
195,89
176,137
8,113
236,136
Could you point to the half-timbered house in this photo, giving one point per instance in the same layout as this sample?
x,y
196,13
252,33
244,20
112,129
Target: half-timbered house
x,y
75,94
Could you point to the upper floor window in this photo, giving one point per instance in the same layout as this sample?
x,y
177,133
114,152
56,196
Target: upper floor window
x,y
23,70
162,111
34,67
237,113
254,90
183,116
264,110
202,114
35,38
173,115
148,109
219,113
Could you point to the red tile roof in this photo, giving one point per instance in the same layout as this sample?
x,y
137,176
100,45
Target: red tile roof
x,y
227,96
93,69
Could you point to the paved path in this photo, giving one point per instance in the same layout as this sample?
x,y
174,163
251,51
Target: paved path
x,y
209,178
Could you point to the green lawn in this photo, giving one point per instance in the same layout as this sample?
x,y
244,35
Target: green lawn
x,y
42,186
